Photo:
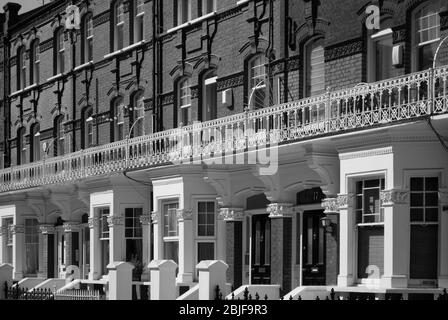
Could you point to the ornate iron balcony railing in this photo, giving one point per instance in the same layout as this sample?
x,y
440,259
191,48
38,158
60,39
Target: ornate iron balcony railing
x,y
363,106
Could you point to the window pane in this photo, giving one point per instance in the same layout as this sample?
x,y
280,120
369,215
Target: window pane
x,y
416,184
371,201
432,184
431,199
416,214
206,251
432,215
371,183
416,199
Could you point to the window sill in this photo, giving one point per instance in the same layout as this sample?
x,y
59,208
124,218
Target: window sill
x,y
170,239
370,224
55,77
191,22
128,48
83,66
241,2
16,93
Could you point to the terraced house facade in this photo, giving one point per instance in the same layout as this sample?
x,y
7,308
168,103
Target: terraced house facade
x,y
289,139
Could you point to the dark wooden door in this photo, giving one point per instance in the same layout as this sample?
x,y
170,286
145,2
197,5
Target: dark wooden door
x,y
313,249
51,256
261,249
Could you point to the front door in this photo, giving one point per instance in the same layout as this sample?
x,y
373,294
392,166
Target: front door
x,y
261,249
313,249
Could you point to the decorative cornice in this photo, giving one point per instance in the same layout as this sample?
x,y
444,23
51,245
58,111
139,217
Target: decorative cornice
x,y
231,214
47,229
344,49
154,217
184,214
364,154
145,219
394,196
16,228
115,221
232,81
94,222
167,98
345,201
331,205
46,45
279,210
71,226
293,63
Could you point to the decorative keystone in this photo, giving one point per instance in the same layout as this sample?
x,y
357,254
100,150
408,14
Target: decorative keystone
x,y
393,196
279,210
231,214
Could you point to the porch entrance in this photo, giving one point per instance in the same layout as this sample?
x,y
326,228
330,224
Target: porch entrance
x,y
261,249
313,271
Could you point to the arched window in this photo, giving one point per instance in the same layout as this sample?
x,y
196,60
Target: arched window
x,y
118,119
184,101
21,68
87,38
59,136
35,62
21,146
257,96
87,120
209,96
314,68
118,25
139,20
137,115
59,51
425,35
35,143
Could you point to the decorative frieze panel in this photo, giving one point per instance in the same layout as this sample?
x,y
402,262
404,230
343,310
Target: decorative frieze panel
x,y
46,45
71,227
47,229
279,210
232,81
167,98
145,219
115,221
101,18
343,50
345,201
231,214
94,222
184,214
393,196
16,228
330,205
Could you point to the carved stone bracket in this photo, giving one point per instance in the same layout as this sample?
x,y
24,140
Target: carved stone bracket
x,y
443,198
154,217
115,221
345,201
145,219
330,205
279,210
184,214
94,222
393,196
47,229
231,214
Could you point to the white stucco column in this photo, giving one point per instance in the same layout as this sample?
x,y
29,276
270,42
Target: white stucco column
x,y
185,220
221,238
18,240
346,240
145,220
396,238
95,248
116,238
156,236
70,228
443,267
3,233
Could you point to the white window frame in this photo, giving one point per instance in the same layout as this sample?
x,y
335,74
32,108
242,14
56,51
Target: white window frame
x,y
119,25
181,18
133,218
138,112
210,80
60,42
36,142
119,119
88,52
307,64
139,20
385,34
202,237
184,88
103,219
204,6
22,68
88,128
36,62
424,222
356,209
21,140
257,77
168,238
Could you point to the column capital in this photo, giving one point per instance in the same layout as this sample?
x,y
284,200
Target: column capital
x,y
345,201
16,228
94,222
184,214
280,210
155,217
394,196
71,226
330,205
145,219
231,214
443,196
47,229
115,221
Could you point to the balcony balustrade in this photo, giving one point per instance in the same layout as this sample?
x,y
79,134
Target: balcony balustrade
x,y
366,105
